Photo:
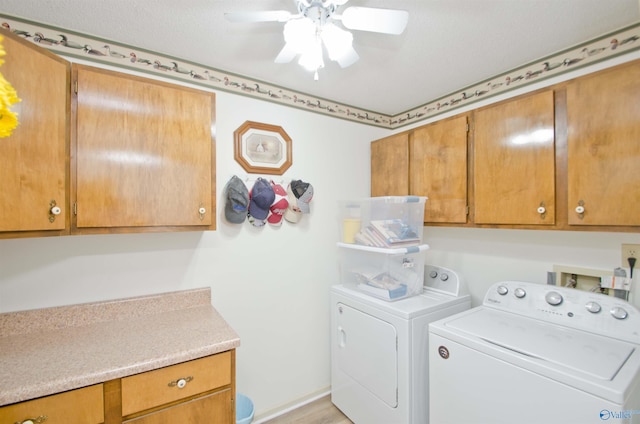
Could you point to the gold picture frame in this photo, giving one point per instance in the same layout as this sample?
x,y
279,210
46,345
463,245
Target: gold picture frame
x,y
262,148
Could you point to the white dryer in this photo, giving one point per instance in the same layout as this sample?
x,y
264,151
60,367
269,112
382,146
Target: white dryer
x,y
534,353
379,349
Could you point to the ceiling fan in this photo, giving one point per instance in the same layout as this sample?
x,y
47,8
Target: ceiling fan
x,y
316,23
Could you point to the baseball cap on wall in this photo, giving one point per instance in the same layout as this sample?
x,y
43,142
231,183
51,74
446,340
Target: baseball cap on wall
x,y
293,213
261,198
279,205
237,204
303,193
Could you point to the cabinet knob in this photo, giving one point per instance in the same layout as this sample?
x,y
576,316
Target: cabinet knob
x,y
202,211
542,210
54,210
580,209
181,382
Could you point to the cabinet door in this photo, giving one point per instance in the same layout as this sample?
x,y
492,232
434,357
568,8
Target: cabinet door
x,y
390,166
603,147
215,408
514,162
33,167
144,152
438,169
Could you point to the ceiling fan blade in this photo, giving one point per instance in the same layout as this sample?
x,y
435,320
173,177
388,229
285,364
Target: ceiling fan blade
x,y
264,16
348,58
386,21
286,55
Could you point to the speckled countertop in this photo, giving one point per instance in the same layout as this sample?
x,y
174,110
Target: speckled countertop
x,y
50,350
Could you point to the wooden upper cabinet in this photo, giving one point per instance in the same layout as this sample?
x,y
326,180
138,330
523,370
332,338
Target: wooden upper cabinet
x,y
514,162
438,169
33,168
143,154
603,147
390,165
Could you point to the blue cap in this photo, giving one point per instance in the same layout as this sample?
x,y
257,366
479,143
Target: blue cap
x,y
262,196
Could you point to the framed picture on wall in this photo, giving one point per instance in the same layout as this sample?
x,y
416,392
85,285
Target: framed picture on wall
x,y
262,148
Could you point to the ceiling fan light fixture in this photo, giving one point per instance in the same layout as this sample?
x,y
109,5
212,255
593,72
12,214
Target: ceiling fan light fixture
x,y
299,34
313,26
339,44
311,59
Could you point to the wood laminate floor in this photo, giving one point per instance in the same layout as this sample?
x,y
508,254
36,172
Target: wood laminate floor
x,y
320,411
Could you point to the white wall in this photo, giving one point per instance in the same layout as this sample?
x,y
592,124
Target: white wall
x,y
486,256
271,284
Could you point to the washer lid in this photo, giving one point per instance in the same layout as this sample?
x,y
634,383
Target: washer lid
x,y
596,356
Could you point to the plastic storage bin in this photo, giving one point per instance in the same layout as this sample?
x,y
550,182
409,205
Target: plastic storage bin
x,y
389,274
244,409
387,222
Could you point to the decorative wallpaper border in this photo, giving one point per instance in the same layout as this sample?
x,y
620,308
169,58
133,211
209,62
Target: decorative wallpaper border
x,y
77,45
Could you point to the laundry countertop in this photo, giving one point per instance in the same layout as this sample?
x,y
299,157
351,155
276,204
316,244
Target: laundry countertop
x,y
51,350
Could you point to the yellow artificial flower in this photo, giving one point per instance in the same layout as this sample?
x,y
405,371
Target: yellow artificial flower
x,y
8,96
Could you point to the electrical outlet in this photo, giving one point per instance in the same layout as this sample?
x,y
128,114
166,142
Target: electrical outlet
x,y
630,251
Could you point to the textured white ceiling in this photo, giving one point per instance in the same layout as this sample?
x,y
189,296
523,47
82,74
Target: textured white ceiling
x,y
448,44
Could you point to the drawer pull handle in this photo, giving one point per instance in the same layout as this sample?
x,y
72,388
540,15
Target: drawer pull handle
x,y
181,382
39,420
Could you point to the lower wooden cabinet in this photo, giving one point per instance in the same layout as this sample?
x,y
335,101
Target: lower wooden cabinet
x,y
81,406
159,387
210,409
193,392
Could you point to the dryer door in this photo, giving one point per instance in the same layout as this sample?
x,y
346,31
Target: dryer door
x,y
367,352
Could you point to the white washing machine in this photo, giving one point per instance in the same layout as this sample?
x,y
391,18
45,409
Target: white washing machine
x,y
534,353
379,349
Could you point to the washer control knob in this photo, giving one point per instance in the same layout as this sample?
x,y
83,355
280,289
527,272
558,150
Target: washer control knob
x,y
553,298
519,293
502,290
619,313
444,277
433,274
593,307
